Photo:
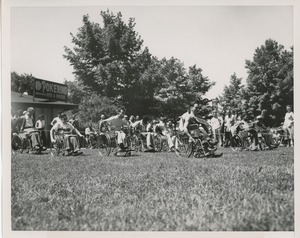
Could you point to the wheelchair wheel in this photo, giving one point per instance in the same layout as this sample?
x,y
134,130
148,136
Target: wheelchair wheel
x,y
160,144
236,143
16,144
198,150
262,143
246,143
184,148
104,145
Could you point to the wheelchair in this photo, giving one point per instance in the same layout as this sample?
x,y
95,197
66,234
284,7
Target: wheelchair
x,y
18,144
139,141
240,141
107,143
22,142
197,148
58,147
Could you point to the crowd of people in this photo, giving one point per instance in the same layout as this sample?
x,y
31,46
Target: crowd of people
x,y
216,130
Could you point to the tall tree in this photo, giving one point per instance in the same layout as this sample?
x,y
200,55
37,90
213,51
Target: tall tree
x,y
108,59
270,79
233,94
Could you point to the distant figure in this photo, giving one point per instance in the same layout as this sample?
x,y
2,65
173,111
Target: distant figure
x,y
90,136
288,126
102,125
40,125
56,119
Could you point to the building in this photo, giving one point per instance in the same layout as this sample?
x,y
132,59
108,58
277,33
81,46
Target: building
x,y
45,106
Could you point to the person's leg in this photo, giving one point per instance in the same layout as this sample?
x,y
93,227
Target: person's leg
x,y
150,141
254,138
67,144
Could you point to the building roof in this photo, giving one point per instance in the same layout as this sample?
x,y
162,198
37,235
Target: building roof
x,y
18,98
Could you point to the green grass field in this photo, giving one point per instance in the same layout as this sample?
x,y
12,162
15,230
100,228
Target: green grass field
x,y
240,191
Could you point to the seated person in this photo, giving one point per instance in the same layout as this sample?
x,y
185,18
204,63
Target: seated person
x,y
119,125
28,131
68,134
91,135
265,132
146,131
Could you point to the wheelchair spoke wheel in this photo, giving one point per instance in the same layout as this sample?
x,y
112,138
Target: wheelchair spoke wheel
x,y
184,148
158,144
236,143
104,148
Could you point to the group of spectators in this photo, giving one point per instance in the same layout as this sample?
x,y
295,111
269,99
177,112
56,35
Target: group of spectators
x,y
225,126
216,129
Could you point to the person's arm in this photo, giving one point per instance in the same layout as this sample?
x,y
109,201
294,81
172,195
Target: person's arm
x,y
52,131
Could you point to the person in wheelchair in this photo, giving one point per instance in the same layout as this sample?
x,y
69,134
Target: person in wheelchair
x,y
67,133
29,134
195,127
120,126
145,128
265,133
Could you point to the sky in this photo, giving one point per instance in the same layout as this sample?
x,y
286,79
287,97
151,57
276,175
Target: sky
x,y
217,39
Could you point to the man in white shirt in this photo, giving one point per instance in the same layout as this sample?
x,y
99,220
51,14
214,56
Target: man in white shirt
x,y
216,123
288,126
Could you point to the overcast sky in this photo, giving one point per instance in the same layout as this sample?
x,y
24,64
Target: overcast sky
x,y
218,39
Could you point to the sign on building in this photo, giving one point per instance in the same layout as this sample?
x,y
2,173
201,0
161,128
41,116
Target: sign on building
x,y
50,90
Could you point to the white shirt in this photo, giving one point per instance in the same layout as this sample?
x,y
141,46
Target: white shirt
x,y
288,119
117,122
40,124
216,123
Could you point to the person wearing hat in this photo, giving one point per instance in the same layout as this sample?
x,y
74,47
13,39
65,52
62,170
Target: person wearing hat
x,y
29,133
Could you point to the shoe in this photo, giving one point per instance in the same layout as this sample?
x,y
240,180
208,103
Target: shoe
x,y
211,149
43,148
213,142
78,152
254,149
172,149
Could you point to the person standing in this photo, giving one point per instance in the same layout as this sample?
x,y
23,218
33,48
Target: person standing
x,y
228,122
40,126
288,126
216,123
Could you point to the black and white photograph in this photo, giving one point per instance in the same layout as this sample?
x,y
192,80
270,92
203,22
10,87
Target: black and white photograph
x,y
134,117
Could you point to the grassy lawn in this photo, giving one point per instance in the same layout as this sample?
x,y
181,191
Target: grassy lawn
x,y
240,191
